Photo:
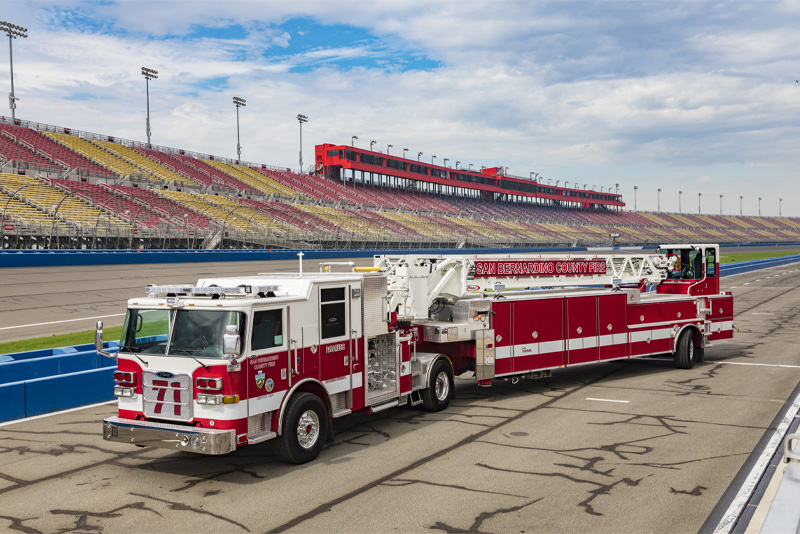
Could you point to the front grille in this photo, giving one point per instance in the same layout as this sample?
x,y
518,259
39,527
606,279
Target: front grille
x,y
167,396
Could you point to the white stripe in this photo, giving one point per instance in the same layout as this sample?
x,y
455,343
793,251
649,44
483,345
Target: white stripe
x,y
762,364
32,418
641,335
608,400
730,518
502,352
59,322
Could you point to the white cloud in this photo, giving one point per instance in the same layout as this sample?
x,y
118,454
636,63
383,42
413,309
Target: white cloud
x,y
653,94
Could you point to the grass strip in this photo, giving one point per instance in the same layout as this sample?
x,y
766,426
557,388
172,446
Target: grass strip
x,y
59,340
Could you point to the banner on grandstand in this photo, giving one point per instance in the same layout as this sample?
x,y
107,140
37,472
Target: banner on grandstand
x,y
486,268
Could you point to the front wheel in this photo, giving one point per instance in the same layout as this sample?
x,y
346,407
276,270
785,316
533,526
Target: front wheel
x,y
304,430
440,387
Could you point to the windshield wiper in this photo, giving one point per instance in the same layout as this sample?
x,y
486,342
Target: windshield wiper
x,y
189,352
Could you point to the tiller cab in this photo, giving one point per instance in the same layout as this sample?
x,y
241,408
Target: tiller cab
x,y
228,362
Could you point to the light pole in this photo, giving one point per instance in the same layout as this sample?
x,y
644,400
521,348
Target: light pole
x,y
457,162
557,182
740,205
301,119
470,166
433,158
565,183
371,143
404,153
418,155
445,162
635,188
759,206
13,31
720,204
617,190
239,103
780,205
387,149
658,203
353,140
698,202
149,74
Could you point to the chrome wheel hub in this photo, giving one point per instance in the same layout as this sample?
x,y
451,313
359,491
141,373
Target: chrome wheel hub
x,y
442,386
308,429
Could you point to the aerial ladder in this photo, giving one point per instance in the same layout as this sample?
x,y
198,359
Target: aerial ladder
x,y
418,281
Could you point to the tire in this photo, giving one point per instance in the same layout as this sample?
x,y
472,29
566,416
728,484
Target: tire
x,y
305,429
685,352
436,397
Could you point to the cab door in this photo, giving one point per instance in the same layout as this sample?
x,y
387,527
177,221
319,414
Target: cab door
x,y
268,372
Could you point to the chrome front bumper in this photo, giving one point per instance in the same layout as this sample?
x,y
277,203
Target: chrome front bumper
x,y
168,436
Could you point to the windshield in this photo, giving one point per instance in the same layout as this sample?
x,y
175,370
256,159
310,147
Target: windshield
x,y
198,333
145,331
688,263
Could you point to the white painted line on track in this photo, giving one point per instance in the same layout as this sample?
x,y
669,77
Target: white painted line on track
x,y
762,364
731,516
607,400
59,322
762,313
33,418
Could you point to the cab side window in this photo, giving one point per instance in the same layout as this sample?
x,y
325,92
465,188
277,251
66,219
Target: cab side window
x,y
711,263
333,312
267,329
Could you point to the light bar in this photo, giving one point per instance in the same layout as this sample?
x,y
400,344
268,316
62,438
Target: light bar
x,y
189,290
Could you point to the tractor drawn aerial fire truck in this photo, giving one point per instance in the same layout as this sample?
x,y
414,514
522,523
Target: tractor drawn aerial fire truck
x,y
228,362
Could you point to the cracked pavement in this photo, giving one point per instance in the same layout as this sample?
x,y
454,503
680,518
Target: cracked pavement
x,y
537,456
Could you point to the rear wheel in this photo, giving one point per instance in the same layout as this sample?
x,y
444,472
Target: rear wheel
x,y
305,427
440,387
685,352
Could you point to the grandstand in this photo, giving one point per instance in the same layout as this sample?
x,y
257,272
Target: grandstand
x,y
65,189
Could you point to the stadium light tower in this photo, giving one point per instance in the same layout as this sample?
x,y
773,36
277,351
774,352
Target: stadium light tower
x,y
780,205
740,205
759,206
239,103
301,119
149,74
720,204
404,153
679,201
433,158
371,143
13,31
353,140
457,162
658,204
418,155
635,188
617,190
387,149
698,202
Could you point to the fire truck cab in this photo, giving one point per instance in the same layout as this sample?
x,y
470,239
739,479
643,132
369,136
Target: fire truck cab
x,y
227,362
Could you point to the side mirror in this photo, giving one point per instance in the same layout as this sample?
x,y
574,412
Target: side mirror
x,y
231,342
98,342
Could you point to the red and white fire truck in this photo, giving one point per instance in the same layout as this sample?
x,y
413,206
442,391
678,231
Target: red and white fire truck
x,y
227,362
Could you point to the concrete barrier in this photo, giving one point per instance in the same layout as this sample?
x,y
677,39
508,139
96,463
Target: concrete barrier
x,y
42,381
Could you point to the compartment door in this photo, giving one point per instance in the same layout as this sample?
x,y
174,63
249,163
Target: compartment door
x,y
581,330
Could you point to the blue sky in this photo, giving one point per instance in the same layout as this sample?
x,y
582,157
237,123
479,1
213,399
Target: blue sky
x,y
696,96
